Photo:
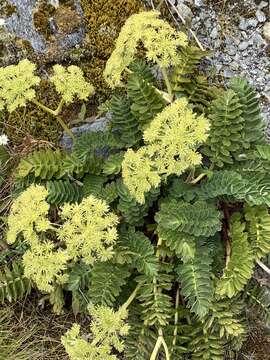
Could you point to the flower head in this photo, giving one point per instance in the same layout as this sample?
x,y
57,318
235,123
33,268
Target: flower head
x,y
70,82
3,139
171,142
161,42
16,85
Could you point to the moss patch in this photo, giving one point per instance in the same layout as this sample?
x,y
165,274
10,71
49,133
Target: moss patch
x,y
104,20
41,18
32,121
7,9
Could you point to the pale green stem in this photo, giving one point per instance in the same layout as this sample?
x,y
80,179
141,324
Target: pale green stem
x,y
160,4
160,340
163,94
44,107
131,297
201,176
156,348
176,315
167,354
65,127
167,82
263,266
56,113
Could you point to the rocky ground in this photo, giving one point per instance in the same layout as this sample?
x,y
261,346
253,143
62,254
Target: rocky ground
x,y
238,32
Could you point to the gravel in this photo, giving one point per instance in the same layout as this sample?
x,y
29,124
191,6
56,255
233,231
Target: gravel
x,y
240,43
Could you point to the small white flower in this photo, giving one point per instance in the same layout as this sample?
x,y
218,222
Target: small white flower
x,y
3,139
2,22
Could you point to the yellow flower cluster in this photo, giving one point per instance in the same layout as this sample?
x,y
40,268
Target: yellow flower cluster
x,y
88,232
28,215
16,85
70,82
171,142
107,327
159,39
45,265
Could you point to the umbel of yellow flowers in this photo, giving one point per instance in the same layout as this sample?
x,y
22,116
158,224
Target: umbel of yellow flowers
x,y
88,232
107,327
17,84
170,147
17,87
160,40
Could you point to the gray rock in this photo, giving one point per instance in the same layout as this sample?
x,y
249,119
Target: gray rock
x,y
214,33
228,73
266,31
185,11
260,16
243,45
242,24
20,24
218,67
262,4
99,125
252,23
258,40
199,3
231,50
54,3
217,43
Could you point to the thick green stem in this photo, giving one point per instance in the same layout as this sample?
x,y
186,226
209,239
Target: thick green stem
x,y
131,297
65,127
156,348
44,107
167,82
176,315
160,342
56,113
201,176
160,4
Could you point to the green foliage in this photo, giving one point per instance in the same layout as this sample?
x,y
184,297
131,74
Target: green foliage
x,y
156,303
224,318
258,297
142,69
240,265
95,185
124,124
194,276
258,228
113,165
14,285
140,340
253,131
224,142
146,101
253,188
135,248
208,346
107,281
189,59
44,164
198,219
63,191
130,208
